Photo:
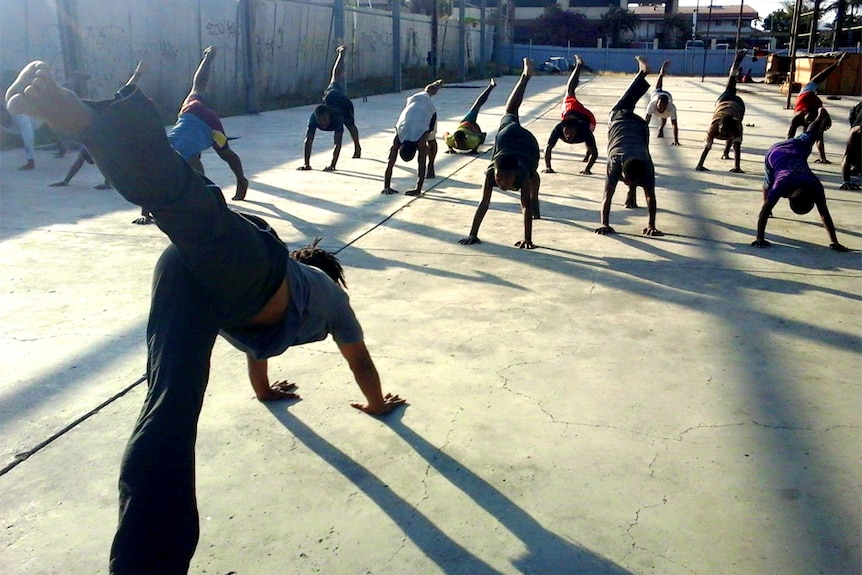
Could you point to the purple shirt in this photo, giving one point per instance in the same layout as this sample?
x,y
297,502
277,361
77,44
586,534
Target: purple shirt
x,y
787,167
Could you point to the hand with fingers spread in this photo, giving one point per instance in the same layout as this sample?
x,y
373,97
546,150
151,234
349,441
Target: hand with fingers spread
x,y
390,402
278,391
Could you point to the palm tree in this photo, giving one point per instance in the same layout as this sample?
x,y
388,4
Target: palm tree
x,y
848,14
616,22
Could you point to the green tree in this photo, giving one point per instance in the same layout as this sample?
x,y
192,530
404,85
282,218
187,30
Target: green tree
x,y
778,24
849,14
556,27
616,23
677,29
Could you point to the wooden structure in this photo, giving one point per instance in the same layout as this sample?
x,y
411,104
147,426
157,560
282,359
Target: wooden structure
x,y
845,80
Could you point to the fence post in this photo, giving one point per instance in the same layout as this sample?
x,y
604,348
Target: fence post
x,y
396,45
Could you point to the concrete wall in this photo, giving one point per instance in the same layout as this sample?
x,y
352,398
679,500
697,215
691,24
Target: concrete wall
x,y
28,31
266,48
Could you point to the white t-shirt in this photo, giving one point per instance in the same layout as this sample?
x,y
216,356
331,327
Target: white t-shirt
x,y
415,118
652,107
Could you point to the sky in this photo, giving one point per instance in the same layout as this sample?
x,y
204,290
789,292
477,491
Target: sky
x,y
764,7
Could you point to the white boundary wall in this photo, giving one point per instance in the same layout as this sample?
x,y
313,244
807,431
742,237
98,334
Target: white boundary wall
x,y
288,49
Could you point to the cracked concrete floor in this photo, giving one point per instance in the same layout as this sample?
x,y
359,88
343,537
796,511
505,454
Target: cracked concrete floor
x,y
620,405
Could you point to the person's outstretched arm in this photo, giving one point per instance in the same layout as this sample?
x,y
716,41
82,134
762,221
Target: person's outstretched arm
x,y
826,218
368,380
336,151
481,209
527,197
387,175
552,141
765,211
422,158
795,123
675,126
73,169
706,147
306,150
737,156
649,192
592,154
611,181
263,390
821,150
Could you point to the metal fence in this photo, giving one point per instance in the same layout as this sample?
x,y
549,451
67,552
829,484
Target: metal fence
x,y
684,62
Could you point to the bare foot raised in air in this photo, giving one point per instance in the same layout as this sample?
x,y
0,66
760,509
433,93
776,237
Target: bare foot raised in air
x,y
643,66
663,68
35,93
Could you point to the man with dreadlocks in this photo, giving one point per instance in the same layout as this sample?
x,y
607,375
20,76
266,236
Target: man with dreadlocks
x,y
223,273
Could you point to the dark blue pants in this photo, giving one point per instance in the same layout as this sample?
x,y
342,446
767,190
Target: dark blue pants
x,y
219,270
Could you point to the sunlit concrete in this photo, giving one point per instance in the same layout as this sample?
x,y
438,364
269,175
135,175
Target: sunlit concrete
x,y
622,405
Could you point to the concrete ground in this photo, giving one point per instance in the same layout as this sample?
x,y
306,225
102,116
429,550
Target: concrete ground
x,y
682,405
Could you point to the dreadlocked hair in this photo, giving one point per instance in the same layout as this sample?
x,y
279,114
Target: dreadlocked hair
x,y
325,261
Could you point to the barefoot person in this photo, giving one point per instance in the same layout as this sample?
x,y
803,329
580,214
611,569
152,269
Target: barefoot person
x,y
467,137
223,273
726,121
514,166
198,127
415,135
788,176
661,106
84,156
808,105
629,159
577,124
333,115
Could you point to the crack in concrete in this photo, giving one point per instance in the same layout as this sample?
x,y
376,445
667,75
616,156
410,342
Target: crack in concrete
x,y
634,543
425,496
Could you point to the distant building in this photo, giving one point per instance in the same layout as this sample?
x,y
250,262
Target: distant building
x,y
526,10
721,23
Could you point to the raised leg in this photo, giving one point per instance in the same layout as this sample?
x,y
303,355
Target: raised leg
x,y
636,90
483,97
730,88
660,80
158,525
202,75
338,66
513,103
574,77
